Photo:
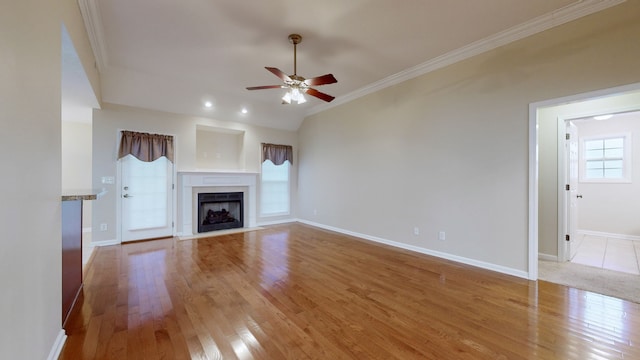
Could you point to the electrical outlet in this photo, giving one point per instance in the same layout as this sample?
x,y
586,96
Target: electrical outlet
x,y
416,231
103,227
315,212
442,236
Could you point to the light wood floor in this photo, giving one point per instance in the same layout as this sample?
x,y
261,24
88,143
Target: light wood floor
x,y
297,292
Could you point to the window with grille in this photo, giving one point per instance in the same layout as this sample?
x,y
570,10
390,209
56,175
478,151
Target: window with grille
x,y
606,159
274,191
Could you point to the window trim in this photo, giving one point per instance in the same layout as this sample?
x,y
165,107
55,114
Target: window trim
x,y
626,160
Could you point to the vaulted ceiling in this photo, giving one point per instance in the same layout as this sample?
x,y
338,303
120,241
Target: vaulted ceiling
x,y
175,55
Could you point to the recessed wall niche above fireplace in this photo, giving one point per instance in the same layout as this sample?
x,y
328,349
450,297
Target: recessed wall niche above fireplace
x,y
219,211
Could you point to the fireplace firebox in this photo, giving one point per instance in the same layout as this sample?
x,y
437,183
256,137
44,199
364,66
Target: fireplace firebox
x,y
219,211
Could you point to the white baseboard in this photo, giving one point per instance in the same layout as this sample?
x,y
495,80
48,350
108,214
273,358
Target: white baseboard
x,y
609,235
56,349
442,255
276,222
547,257
105,243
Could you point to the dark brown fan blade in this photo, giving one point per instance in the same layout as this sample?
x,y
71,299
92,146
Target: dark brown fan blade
x,y
321,80
279,73
319,95
264,87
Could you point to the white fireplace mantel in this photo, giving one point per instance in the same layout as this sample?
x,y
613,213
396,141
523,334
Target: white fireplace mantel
x,y
188,180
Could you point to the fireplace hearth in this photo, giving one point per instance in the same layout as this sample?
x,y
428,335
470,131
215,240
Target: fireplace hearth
x,y
220,211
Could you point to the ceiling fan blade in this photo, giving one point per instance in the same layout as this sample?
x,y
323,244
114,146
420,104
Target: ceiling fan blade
x,y
279,73
321,80
264,87
319,95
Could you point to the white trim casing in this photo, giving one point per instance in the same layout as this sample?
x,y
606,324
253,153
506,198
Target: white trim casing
x,y
58,344
533,162
547,257
187,180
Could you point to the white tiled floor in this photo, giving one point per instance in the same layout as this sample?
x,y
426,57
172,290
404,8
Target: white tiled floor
x,y
608,253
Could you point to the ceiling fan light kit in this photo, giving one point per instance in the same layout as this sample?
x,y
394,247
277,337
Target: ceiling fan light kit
x,y
297,85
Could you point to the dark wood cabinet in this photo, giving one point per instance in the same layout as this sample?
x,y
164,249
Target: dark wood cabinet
x,y
71,254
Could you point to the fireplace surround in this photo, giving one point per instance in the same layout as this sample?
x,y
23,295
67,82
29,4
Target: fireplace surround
x,y
191,183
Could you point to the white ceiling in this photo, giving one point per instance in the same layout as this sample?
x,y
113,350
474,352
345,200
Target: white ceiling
x,y
173,55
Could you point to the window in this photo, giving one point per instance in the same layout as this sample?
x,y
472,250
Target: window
x,y
606,159
274,192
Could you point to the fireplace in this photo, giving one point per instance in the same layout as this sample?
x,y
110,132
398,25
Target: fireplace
x,y
191,183
219,211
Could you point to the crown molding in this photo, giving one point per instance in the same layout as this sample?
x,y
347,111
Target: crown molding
x,y
555,18
90,12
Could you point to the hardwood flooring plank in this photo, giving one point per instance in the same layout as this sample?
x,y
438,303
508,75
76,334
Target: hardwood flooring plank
x,y
297,292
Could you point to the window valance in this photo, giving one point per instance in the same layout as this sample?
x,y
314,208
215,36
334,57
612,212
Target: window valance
x,y
278,154
146,147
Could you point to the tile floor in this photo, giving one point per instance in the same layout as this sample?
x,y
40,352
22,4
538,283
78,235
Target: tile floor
x,y
609,253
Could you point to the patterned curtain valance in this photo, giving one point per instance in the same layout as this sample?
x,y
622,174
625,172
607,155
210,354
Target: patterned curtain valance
x,y
278,154
146,147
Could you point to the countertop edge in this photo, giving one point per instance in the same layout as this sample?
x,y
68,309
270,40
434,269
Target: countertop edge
x,y
84,195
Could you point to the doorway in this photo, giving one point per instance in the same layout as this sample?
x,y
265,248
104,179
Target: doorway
x,y
607,233
548,203
146,199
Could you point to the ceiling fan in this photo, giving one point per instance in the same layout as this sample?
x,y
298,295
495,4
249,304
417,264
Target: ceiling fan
x,y
297,85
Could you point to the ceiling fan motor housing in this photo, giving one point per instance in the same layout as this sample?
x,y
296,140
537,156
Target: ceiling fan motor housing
x,y
298,84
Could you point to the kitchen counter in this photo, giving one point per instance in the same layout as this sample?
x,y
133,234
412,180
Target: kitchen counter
x,y
72,246
91,194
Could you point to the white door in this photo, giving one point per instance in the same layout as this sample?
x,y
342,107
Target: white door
x,y
146,198
572,193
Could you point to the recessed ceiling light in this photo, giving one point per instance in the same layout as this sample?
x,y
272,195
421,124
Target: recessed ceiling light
x,y
603,117
244,110
208,104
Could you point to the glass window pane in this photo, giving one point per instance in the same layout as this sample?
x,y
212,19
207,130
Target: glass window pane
x,y
595,164
613,164
613,173
148,203
594,144
613,143
594,174
274,191
593,154
614,153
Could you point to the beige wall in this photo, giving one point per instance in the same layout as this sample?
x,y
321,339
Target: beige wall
x,y
111,118
76,163
30,206
448,151
219,149
551,121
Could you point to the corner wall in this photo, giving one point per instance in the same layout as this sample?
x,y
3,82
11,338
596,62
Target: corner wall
x,y
30,260
448,151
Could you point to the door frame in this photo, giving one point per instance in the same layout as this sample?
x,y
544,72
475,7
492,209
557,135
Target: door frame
x,y
564,207
534,159
174,179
